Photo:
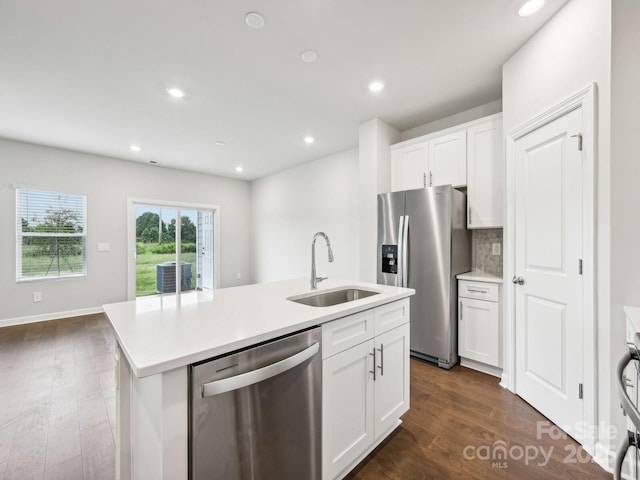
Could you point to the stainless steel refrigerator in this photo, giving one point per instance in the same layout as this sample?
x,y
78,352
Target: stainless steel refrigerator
x,y
423,244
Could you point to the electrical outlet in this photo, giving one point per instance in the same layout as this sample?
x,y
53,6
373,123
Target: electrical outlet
x,y
104,247
37,297
495,249
238,275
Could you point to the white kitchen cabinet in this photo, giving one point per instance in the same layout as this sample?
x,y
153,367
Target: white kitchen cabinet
x,y
439,160
360,407
448,160
485,174
347,401
409,166
479,326
392,378
468,155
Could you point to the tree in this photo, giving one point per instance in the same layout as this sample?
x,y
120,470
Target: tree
x,y
58,221
188,230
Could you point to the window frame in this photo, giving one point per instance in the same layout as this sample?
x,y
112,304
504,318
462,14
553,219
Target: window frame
x,y
20,235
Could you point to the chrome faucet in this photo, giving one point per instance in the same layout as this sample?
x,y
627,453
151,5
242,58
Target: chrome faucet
x,y
314,279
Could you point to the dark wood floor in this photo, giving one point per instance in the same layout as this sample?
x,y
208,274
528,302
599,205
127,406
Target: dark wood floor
x,y
457,421
57,400
57,416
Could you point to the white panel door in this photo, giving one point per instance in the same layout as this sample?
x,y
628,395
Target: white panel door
x,y
392,378
448,160
347,402
409,166
548,211
207,250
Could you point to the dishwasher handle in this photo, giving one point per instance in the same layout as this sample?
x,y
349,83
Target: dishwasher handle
x,y
255,376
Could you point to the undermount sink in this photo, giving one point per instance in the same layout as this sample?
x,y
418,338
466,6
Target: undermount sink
x,y
330,298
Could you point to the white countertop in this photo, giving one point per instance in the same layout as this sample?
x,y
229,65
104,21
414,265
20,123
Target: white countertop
x,y
478,276
164,332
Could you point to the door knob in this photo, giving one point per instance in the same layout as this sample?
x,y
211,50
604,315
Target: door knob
x,y
518,280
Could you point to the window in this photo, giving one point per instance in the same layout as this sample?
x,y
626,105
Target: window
x,y
51,235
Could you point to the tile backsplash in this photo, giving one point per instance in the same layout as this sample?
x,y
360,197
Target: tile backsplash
x,y
481,255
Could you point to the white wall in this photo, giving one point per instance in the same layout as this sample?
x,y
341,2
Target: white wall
x,y
288,208
567,54
374,168
453,120
107,183
625,169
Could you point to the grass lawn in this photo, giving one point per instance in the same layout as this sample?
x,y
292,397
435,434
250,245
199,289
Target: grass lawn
x,y
146,270
44,265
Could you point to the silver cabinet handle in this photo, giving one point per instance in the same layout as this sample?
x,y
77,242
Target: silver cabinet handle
x,y
518,280
405,252
425,179
400,252
381,367
461,310
477,291
431,179
374,364
245,379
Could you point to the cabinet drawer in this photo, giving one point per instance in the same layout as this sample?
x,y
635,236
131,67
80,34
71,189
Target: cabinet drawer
x,y
479,290
391,316
346,332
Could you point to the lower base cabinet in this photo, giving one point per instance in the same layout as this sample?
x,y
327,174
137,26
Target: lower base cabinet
x,y
365,386
479,326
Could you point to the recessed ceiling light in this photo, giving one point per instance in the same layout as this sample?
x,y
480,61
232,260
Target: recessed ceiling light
x,y
309,140
530,7
175,92
309,56
220,143
254,20
238,169
135,148
376,86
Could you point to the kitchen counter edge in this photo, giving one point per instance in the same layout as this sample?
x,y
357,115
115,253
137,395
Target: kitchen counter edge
x,y
128,327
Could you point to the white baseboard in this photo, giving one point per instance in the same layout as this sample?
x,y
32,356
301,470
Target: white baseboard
x,y
481,367
604,456
7,322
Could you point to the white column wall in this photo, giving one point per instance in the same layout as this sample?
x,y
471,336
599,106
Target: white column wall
x,y
375,138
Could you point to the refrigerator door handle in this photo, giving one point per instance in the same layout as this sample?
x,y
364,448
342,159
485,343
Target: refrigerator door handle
x,y
405,252
400,252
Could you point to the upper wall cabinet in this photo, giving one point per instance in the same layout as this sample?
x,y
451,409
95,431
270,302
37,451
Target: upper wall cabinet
x,y
409,166
448,160
468,155
485,175
439,160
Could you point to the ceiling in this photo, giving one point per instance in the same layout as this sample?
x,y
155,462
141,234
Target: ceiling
x,y
92,75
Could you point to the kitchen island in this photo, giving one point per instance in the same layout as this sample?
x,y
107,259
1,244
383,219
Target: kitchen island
x,y
159,337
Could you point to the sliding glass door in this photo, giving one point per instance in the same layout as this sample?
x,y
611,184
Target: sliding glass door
x,y
174,249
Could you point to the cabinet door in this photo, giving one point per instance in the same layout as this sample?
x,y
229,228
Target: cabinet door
x,y
479,331
409,167
448,160
347,402
485,175
392,378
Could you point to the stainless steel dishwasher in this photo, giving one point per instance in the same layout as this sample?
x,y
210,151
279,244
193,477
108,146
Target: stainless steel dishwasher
x,y
256,413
